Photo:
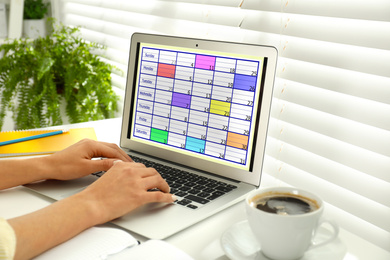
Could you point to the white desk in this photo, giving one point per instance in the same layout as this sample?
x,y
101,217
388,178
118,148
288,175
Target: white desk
x,y
200,241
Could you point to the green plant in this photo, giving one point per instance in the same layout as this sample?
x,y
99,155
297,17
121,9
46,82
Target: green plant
x,y
35,9
35,75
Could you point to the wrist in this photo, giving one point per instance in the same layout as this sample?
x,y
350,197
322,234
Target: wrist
x,y
90,207
43,166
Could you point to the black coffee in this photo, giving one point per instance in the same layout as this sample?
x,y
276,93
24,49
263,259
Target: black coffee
x,y
285,204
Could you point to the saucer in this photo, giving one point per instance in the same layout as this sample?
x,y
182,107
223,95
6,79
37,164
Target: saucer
x,y
239,243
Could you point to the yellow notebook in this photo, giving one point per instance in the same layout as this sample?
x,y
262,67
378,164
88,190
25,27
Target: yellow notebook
x,y
45,145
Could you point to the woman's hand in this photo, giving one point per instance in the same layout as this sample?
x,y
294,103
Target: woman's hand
x,y
124,188
120,190
76,160
70,163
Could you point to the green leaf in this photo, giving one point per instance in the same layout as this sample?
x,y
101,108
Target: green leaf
x,y
45,66
39,73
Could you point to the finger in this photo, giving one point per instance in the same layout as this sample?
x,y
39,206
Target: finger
x,y
106,164
125,156
116,161
101,165
109,150
156,182
135,165
158,196
149,172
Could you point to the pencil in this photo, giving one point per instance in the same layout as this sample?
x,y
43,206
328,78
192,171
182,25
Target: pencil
x,y
28,138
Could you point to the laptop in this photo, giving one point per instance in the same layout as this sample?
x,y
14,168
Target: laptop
x,y
196,110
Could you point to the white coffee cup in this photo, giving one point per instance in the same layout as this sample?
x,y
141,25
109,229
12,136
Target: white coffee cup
x,y
286,237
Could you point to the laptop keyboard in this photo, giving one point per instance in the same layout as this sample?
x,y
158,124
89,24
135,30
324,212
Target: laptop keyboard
x,y
192,190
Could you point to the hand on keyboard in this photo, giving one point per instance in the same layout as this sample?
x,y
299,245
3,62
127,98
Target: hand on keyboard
x,y
125,187
191,189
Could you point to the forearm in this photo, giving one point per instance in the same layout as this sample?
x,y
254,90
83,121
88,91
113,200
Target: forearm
x,y
72,163
41,230
14,172
122,189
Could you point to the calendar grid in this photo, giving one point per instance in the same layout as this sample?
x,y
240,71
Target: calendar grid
x,y
197,102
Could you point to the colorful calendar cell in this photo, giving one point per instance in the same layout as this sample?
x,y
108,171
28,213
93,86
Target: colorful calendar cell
x,y
195,144
158,135
205,62
237,140
166,70
220,107
181,100
197,102
245,82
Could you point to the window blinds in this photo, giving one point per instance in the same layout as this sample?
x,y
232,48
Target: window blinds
x,y
330,119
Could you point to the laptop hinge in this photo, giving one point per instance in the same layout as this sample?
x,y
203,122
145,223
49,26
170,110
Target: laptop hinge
x,y
128,151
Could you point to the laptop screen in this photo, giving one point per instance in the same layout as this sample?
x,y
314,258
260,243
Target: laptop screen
x,y
199,103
